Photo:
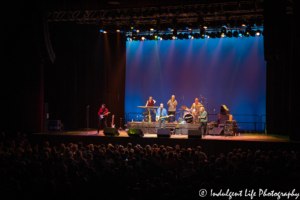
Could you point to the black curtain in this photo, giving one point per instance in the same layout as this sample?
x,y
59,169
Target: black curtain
x,y
21,74
281,37
89,70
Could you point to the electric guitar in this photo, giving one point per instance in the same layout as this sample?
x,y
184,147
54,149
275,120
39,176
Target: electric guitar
x,y
112,121
101,116
159,118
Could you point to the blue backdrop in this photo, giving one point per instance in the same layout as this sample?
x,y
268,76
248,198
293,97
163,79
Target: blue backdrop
x,y
229,71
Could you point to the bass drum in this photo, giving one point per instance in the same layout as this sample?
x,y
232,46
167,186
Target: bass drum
x,y
188,118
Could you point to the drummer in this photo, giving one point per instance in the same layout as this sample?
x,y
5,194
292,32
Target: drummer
x,y
195,109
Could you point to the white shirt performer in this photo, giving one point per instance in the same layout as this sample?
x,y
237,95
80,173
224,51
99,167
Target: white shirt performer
x,y
172,108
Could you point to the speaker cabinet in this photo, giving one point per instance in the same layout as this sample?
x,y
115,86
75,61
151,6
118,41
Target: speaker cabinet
x,y
194,134
166,133
111,132
135,132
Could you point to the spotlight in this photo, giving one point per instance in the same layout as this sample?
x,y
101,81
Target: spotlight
x,y
118,31
222,35
248,30
173,37
241,34
189,36
104,31
189,29
207,36
192,37
161,38
258,33
202,36
172,30
128,38
151,29
205,27
137,31
101,31
143,38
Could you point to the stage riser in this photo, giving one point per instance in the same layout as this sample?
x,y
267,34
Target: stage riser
x,y
210,147
151,128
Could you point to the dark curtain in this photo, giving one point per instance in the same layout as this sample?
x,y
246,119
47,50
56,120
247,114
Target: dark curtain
x,y
88,71
21,74
281,34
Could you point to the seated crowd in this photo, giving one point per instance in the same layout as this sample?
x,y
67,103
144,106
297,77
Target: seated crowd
x,y
106,171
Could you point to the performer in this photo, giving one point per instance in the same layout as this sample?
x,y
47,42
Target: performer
x,y
161,112
203,120
150,102
196,109
172,108
102,121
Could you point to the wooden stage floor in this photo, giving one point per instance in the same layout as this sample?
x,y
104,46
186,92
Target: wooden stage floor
x,y
212,145
242,137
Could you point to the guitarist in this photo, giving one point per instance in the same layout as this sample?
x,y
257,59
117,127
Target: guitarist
x,y
102,117
161,112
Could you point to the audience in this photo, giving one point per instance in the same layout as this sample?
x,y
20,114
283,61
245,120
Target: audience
x,y
88,171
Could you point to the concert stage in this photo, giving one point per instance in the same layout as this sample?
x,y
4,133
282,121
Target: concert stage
x,y
211,145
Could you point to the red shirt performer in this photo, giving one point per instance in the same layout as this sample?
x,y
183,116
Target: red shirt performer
x,y
102,113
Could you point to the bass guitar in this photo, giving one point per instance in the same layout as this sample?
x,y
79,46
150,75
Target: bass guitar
x,y
160,118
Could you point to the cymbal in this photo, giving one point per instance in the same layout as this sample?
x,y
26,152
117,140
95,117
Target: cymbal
x,y
184,107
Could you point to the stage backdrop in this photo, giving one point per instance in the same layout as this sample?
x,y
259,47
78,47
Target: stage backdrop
x,y
229,71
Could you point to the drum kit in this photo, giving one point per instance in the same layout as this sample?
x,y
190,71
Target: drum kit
x,y
188,115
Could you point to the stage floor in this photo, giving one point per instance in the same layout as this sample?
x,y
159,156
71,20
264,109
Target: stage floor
x,y
242,137
212,145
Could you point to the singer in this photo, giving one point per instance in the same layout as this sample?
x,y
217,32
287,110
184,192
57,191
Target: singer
x,y
172,103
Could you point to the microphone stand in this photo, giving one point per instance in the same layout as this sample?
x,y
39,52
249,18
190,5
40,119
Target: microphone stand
x,y
182,97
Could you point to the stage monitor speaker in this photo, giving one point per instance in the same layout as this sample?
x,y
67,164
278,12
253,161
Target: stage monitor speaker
x,y
164,133
111,132
135,132
194,134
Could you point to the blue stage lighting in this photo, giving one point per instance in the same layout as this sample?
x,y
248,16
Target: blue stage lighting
x,y
101,31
